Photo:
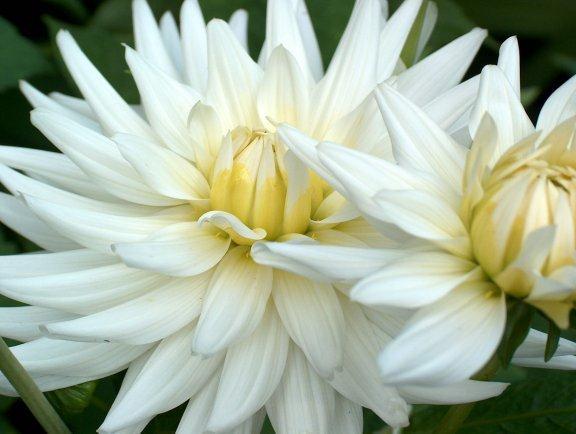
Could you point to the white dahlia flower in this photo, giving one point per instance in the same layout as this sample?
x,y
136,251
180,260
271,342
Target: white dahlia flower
x,y
155,222
472,226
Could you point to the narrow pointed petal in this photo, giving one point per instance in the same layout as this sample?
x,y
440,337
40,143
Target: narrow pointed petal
x,y
509,62
560,106
252,370
114,114
535,346
238,23
167,103
171,39
458,393
309,39
457,335
233,78
303,402
442,70
194,44
22,323
234,304
149,41
197,413
181,249
418,143
141,320
313,317
170,377
414,281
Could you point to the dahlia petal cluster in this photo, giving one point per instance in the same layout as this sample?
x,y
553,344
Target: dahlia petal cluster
x,y
158,223
480,215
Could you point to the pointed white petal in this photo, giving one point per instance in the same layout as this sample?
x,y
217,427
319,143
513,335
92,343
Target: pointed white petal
x,y
509,62
535,346
83,290
17,216
232,225
448,341
313,317
149,41
234,303
498,98
464,391
351,75
394,35
171,39
309,39
419,143
283,93
233,78
98,157
442,70
303,402
163,170
194,45
22,323
78,105
114,114
252,370
322,262
238,23
142,320
197,413
564,363
560,106
171,376
181,249
414,281
167,103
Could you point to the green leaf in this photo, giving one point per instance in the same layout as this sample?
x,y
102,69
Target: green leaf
x,y
74,399
552,341
19,58
105,50
518,320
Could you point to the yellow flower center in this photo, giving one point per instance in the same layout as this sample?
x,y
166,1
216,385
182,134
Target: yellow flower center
x,y
251,181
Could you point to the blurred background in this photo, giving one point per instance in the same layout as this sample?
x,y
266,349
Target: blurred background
x,y
541,402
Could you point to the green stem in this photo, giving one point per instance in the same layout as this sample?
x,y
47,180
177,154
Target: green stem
x,y
457,414
29,392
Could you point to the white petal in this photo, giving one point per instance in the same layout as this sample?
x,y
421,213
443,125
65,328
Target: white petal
x,y
145,319
498,98
534,346
303,402
448,341
309,39
359,380
509,62
442,70
205,130
163,170
414,281
238,23
283,93
564,363
313,317
38,264
22,323
171,39
54,169
194,48
97,230
74,359
465,391
320,262
351,75
252,370
197,413
18,217
83,290
394,35
167,103
149,41
418,143
78,105
348,417
560,106
170,377
38,100
182,249
98,157
282,30
233,78
114,114
234,303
